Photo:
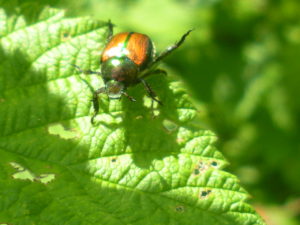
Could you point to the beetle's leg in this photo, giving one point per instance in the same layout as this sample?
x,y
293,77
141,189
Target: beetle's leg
x,y
171,48
147,74
150,92
86,72
96,102
128,96
110,31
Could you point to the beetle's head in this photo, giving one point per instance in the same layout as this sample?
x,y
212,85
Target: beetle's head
x,y
114,89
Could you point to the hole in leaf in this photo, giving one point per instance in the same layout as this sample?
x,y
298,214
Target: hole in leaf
x,y
25,174
22,173
196,171
114,160
65,36
204,194
214,164
58,129
179,208
46,178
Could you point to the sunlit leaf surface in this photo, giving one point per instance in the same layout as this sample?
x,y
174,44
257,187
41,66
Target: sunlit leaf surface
x,y
56,168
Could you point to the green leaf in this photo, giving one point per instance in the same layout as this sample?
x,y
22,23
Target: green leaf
x,y
56,168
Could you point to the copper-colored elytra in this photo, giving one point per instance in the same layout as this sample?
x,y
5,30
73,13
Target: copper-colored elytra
x,y
116,42
136,49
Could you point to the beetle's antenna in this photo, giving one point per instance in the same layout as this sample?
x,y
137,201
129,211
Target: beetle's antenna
x,y
110,30
86,72
183,38
171,48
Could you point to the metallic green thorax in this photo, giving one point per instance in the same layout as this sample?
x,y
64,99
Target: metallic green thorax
x,y
121,69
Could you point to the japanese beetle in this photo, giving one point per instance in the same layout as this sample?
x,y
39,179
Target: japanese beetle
x,y
127,59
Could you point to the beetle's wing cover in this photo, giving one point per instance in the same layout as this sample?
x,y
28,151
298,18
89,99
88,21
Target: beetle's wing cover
x,y
137,47
140,49
115,47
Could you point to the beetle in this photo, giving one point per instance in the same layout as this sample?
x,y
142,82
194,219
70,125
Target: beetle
x,y
127,59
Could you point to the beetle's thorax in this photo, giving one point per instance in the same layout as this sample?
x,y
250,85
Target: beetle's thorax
x,y
120,69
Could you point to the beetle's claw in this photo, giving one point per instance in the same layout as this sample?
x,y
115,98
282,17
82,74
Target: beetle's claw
x,y
93,119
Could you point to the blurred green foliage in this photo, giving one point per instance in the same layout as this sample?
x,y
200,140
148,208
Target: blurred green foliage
x,y
242,62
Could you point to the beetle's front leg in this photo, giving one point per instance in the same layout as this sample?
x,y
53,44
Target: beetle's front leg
x,y
150,92
96,102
